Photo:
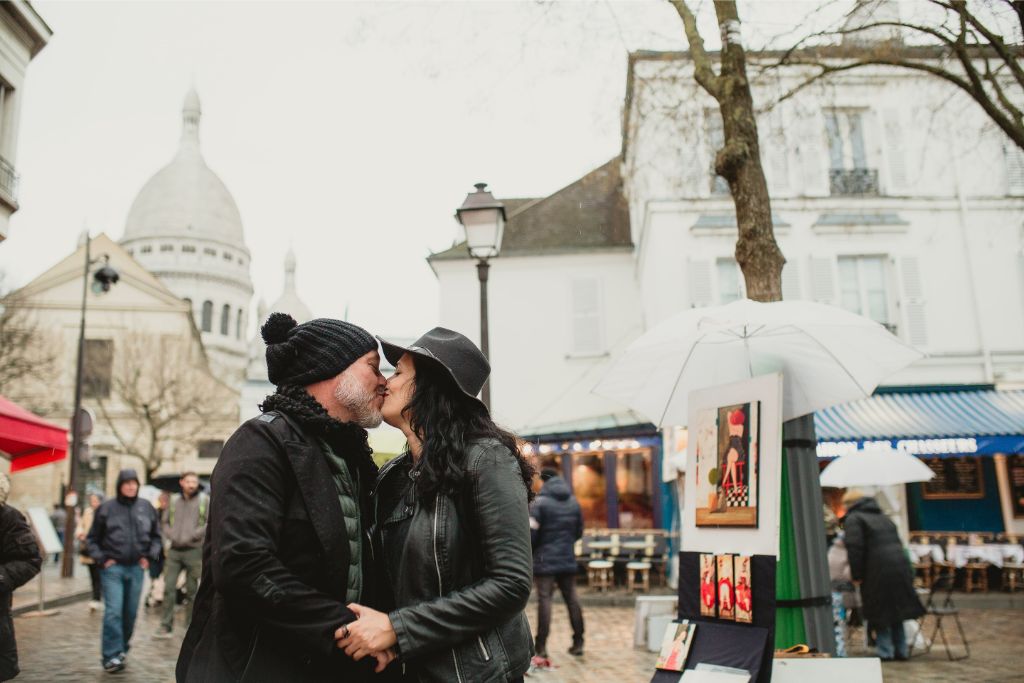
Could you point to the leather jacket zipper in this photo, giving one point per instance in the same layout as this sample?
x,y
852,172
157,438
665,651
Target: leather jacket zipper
x,y
483,649
440,586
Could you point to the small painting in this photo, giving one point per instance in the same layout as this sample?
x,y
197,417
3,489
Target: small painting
x,y
708,603
726,590
675,646
743,590
727,465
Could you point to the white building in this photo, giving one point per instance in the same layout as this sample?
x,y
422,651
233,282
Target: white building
x,y
893,196
185,228
23,33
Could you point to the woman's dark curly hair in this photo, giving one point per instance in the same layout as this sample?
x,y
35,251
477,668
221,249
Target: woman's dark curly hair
x,y
447,420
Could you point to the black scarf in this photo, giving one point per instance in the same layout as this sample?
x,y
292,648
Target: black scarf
x,y
347,439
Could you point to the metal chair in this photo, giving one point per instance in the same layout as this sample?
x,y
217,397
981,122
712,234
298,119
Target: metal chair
x,y
943,584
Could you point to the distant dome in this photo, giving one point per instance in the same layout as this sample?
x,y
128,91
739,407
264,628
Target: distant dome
x,y
185,198
289,301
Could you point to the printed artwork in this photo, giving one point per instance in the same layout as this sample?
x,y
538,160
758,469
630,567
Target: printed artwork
x,y
726,588
743,590
708,587
726,442
675,646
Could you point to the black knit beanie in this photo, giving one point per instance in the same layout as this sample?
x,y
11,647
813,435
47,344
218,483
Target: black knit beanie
x,y
314,351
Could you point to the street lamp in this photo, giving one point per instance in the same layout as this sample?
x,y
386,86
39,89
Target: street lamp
x,y
483,218
102,280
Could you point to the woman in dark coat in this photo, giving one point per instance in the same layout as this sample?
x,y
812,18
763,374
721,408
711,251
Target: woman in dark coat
x,y
880,566
20,560
453,526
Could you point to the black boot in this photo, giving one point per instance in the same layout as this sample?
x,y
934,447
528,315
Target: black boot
x,y
577,648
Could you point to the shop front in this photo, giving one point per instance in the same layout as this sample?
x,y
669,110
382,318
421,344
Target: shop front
x,y
971,438
615,474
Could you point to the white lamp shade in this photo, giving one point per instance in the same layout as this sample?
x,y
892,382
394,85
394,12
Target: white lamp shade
x,y
484,230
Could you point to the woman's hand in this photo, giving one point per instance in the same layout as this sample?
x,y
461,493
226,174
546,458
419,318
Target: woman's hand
x,y
383,659
370,634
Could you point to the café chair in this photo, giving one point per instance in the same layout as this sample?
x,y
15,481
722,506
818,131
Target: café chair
x,y
599,574
638,576
923,573
1013,576
940,611
976,576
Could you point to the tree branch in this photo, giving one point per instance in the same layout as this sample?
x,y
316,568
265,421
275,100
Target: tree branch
x,y
703,70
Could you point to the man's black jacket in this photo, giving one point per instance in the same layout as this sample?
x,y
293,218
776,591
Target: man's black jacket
x,y
125,530
275,564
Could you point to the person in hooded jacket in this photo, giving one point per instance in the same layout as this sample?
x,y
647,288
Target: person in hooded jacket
x,y
880,566
556,523
20,560
123,540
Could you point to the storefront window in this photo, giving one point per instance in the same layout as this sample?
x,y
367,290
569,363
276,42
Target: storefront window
x,y
588,485
635,486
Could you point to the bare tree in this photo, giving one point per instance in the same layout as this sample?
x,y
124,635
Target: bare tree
x,y
739,160
162,398
26,352
968,45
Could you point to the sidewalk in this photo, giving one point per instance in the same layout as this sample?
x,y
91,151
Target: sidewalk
x,y
58,591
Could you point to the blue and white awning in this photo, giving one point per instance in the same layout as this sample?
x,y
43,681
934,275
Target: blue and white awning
x,y
926,423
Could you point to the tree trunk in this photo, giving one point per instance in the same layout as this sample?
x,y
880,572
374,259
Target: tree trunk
x,y
739,162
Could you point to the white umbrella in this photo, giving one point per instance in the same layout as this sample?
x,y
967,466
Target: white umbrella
x,y
827,356
875,467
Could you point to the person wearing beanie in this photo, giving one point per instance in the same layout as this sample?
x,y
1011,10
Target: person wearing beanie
x,y
20,560
123,540
286,547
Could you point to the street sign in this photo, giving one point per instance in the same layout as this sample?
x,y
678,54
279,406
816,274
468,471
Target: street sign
x,y
47,535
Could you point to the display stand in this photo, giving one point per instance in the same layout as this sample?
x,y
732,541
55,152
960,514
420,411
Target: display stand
x,y
724,642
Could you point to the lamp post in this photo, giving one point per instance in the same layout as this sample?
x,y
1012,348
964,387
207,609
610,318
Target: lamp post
x,y
483,218
102,280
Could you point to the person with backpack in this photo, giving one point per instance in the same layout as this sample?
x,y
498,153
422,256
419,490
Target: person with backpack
x,y
184,528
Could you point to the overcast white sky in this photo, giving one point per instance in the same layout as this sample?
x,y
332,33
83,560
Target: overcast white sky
x,y
348,130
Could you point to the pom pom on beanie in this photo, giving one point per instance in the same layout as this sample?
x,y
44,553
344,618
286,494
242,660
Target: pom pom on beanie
x,y
277,327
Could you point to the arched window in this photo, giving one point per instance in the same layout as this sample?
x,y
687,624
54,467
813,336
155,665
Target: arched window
x,y
238,325
225,319
207,323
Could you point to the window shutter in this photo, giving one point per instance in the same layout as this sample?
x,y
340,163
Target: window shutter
x,y
913,302
700,284
791,290
823,289
811,146
1014,168
587,337
895,152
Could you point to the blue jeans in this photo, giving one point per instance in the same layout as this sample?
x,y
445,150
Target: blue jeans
x,y
122,586
891,641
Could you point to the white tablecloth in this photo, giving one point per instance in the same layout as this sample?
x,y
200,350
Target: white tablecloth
x,y
995,553
920,551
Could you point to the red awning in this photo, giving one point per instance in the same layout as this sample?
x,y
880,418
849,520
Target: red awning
x,y
28,439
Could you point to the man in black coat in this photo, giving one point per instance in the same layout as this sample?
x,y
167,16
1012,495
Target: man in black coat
x,y
556,523
20,560
880,566
123,540
286,545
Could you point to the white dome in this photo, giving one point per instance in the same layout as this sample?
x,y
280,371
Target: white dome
x,y
185,198
289,301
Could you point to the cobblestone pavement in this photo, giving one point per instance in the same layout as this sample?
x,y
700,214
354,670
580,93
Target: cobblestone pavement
x,y
65,647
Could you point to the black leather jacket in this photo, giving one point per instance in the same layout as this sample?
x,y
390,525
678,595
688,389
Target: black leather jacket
x,y
465,571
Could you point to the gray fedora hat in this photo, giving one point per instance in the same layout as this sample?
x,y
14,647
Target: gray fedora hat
x,y
466,364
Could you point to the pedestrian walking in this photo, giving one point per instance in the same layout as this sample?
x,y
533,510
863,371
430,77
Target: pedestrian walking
x,y
556,523
184,527
287,549
59,519
20,560
453,525
81,533
880,566
123,540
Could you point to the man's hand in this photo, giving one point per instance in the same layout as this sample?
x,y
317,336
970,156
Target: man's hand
x,y
383,659
144,563
109,563
369,634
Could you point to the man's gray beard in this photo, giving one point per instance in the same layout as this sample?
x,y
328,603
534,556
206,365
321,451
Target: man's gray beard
x,y
360,402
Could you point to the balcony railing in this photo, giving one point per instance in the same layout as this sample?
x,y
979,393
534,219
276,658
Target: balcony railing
x,y
8,179
853,181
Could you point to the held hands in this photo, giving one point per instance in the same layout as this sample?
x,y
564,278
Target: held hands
x,y
370,634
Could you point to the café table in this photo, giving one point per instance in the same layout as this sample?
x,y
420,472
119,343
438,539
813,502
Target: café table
x,y
994,553
638,547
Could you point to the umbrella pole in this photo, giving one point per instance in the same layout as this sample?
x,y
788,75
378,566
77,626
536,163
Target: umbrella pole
x,y
803,563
